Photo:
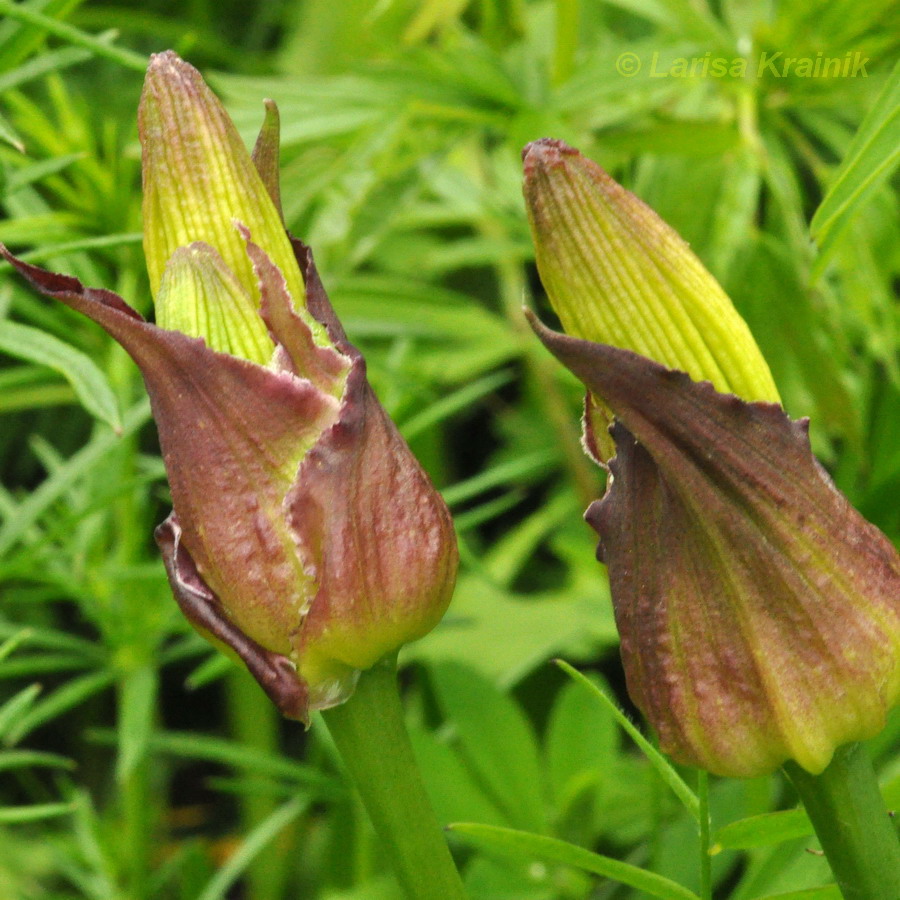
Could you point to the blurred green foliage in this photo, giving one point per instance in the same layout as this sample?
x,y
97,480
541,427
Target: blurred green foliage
x,y
135,763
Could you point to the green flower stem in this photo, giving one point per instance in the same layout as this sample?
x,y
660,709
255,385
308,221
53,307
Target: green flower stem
x,y
253,722
567,15
852,824
371,736
705,858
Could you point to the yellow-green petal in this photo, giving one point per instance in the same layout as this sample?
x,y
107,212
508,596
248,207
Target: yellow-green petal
x,y
199,180
617,274
201,297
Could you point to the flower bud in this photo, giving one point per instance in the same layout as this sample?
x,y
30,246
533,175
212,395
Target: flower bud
x,y
759,613
199,179
615,272
305,537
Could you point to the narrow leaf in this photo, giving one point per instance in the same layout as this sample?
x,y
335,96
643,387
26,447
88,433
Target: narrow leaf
x,y
663,768
18,759
30,510
16,814
763,831
135,719
826,892
496,740
99,46
89,383
535,846
11,643
74,692
8,135
871,158
254,842
15,707
228,753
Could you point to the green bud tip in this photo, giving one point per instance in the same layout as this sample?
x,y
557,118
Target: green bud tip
x,y
616,273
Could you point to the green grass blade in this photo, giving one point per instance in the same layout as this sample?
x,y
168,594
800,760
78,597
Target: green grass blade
x,y
526,466
762,831
18,759
266,831
826,892
50,639
229,753
453,403
74,36
10,815
871,158
534,846
91,243
14,709
41,65
88,382
138,700
73,692
8,135
14,641
655,758
30,510
18,178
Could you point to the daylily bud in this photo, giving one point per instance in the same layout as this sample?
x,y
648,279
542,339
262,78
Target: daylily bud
x,y
759,612
615,272
305,537
199,179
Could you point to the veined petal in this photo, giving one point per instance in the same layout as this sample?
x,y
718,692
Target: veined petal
x,y
199,178
200,296
759,612
616,273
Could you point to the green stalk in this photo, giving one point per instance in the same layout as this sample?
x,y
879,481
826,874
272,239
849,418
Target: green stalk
x,y
253,723
852,824
705,858
371,736
566,43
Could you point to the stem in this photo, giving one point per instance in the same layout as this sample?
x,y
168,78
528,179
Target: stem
x,y
848,814
253,723
371,736
705,858
566,41
135,791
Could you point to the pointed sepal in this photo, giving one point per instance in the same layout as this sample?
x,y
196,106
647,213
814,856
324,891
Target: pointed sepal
x,y
266,154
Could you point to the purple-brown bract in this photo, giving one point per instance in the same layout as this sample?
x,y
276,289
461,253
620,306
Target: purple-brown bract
x,y
759,612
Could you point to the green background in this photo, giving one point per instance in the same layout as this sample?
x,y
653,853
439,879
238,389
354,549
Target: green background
x,y
136,762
